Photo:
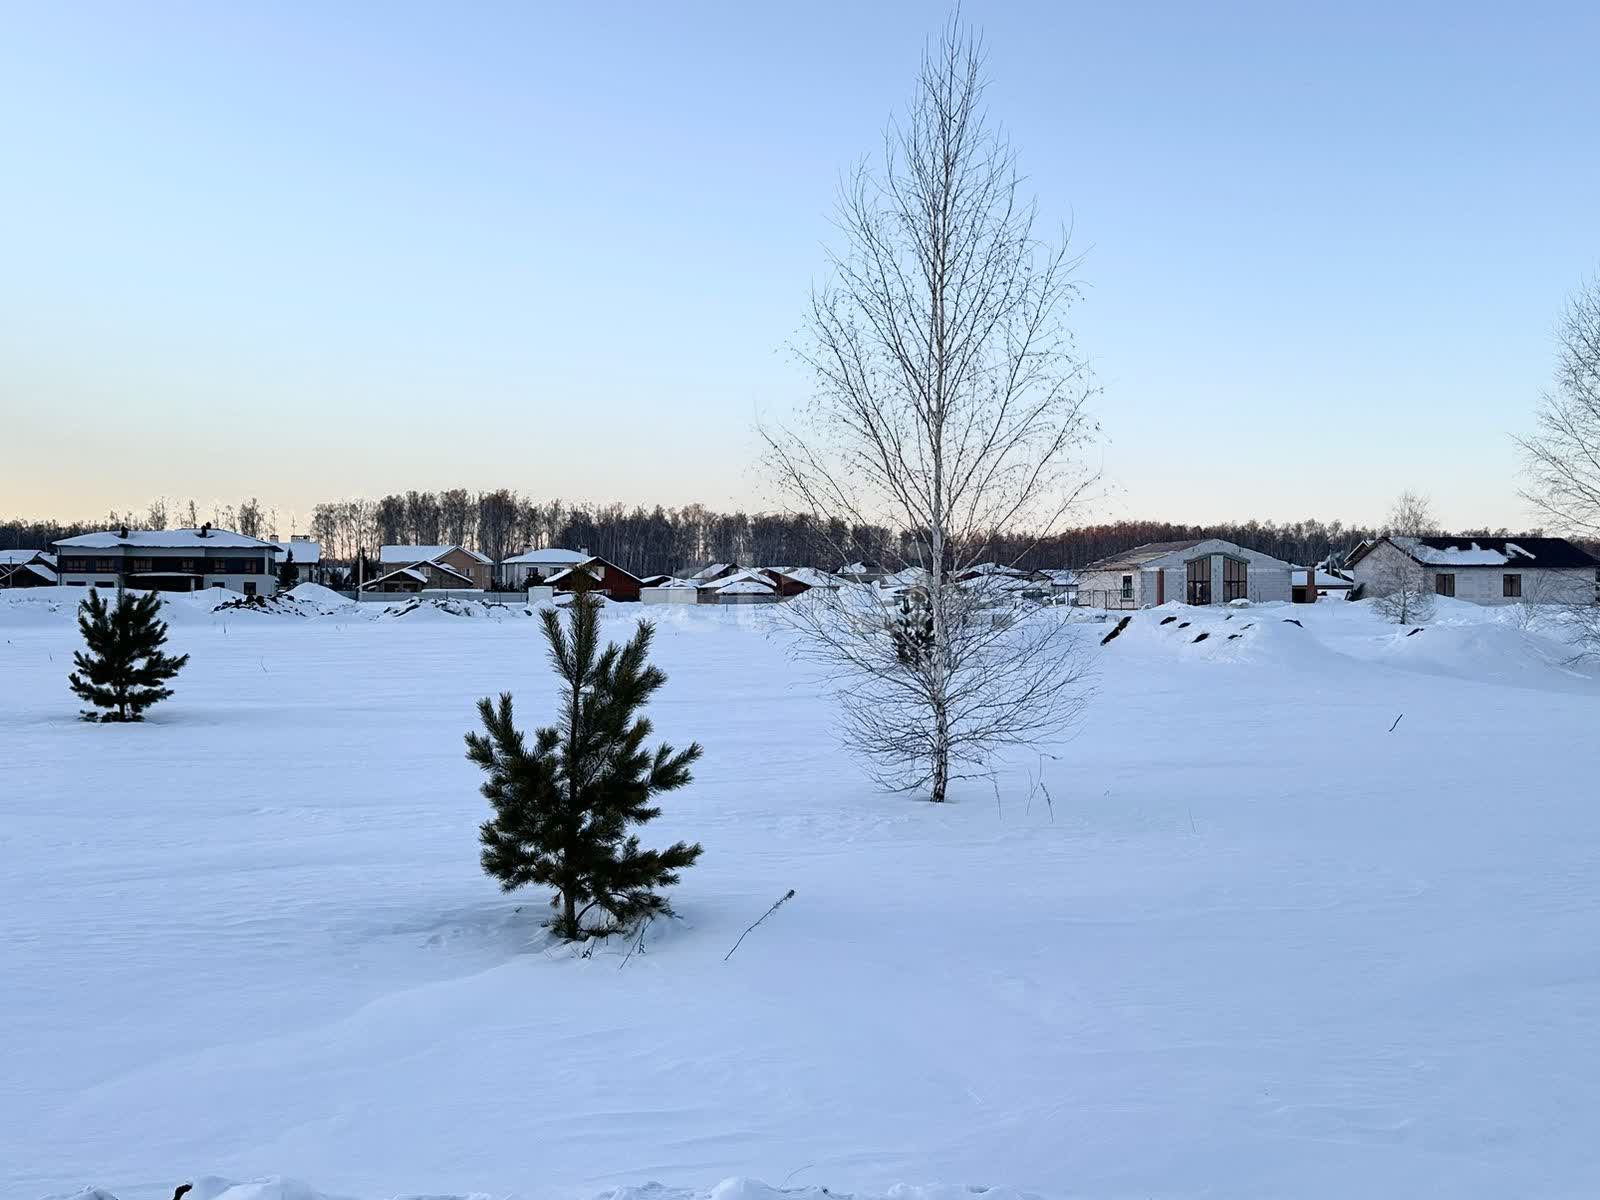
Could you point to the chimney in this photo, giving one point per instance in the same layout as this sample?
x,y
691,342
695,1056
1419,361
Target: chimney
x,y
122,532
205,530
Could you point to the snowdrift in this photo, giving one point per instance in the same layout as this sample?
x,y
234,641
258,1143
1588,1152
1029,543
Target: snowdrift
x,y
733,1188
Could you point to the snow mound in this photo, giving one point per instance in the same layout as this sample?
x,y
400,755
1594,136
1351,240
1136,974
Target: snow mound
x,y
435,607
737,1187
1490,652
314,595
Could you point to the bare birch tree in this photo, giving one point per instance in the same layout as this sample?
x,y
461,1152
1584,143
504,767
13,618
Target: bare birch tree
x,y
1402,588
1411,515
950,406
1563,457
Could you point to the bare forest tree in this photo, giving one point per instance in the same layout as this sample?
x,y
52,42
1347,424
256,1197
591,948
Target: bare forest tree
x,y
1563,457
250,518
950,405
1411,515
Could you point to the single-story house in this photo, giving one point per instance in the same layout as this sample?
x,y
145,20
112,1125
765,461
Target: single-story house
x,y
1196,571
27,569
811,577
1484,570
534,566
476,567
168,560
743,587
597,575
306,556
423,576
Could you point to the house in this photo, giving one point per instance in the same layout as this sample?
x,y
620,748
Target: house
x,y
27,569
168,560
1197,571
810,577
1484,570
597,575
534,566
476,567
306,556
1328,583
423,576
741,587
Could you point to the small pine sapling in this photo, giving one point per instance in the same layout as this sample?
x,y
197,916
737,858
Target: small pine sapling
x,y
564,806
122,669
288,574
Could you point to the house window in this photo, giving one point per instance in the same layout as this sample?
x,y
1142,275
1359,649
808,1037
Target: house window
x,y
1235,579
1199,580
1127,587
1444,585
249,588
1511,585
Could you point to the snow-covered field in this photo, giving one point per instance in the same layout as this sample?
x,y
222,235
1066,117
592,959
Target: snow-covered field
x,y
1259,946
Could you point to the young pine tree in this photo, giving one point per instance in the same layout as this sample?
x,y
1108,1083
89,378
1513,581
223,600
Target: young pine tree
x,y
124,669
563,808
288,574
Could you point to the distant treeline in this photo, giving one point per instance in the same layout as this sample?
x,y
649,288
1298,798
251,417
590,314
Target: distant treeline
x,y
663,540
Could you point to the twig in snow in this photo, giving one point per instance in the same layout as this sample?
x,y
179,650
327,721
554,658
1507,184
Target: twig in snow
x,y
795,1172
1396,722
783,899
638,942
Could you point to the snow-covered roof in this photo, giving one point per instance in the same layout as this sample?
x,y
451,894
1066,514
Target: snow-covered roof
x,y
810,576
165,539
746,575
1142,554
743,587
712,570
419,572
550,556
305,553
670,582
991,568
417,554
1469,551
859,568
16,558
41,570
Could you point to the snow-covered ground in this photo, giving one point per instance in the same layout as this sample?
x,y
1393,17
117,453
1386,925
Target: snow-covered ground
x,y
1258,946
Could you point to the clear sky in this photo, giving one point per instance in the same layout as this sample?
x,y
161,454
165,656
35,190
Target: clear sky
x,y
308,250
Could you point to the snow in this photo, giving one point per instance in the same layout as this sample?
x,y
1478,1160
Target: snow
x,y
1251,944
1469,555
166,539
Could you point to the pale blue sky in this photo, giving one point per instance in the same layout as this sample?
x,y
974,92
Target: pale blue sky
x,y
306,251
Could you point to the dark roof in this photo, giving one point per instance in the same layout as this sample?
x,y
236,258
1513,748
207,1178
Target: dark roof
x,y
1549,552
1544,551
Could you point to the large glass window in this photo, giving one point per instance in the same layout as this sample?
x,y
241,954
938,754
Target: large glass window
x,y
1511,585
1444,584
1127,587
1199,580
1235,579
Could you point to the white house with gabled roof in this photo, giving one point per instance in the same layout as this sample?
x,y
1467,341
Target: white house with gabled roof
x,y
1195,571
1484,570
